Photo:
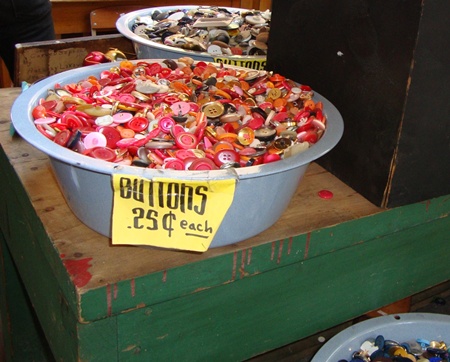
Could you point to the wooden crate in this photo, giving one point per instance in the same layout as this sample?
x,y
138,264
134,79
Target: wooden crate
x,y
38,60
384,65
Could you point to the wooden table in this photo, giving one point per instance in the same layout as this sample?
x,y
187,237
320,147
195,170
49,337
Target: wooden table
x,y
324,262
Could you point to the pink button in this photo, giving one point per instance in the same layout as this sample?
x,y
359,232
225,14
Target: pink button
x,y
165,124
127,98
122,117
180,108
95,139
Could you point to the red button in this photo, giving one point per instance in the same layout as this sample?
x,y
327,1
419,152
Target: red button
x,y
202,164
184,154
325,194
176,130
271,157
153,68
138,124
255,122
103,153
112,136
226,156
63,137
186,140
173,164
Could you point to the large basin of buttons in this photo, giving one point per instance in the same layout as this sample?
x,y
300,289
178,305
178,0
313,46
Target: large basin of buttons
x,y
422,328
262,193
248,50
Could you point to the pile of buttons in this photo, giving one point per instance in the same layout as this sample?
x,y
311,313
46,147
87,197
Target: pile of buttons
x,y
384,350
182,115
217,31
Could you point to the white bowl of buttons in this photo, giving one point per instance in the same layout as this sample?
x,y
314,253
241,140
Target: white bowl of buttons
x,y
233,36
60,114
412,336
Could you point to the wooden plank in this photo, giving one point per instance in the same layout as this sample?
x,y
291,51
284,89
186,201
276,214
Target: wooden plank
x,y
37,60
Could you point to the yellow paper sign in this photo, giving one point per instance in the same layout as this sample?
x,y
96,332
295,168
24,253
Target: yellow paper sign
x,y
256,63
169,213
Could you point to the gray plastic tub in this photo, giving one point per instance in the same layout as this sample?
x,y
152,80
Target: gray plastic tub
x,y
146,49
262,192
400,328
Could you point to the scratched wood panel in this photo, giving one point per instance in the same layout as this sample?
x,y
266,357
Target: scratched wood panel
x,y
37,60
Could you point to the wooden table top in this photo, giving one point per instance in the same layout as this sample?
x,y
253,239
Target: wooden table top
x,y
76,244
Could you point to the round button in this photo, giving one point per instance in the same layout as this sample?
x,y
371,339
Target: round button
x,y
180,108
122,117
103,153
104,120
173,163
94,139
214,50
325,194
255,123
265,134
166,124
226,156
255,19
230,117
112,136
138,124
274,93
126,98
282,143
62,138
186,140
246,136
202,164
213,109
184,154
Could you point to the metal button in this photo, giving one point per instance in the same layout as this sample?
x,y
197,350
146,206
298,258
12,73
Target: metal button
x,y
213,109
246,136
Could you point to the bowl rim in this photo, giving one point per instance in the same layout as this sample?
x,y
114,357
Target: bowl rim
x,y
327,353
22,121
123,26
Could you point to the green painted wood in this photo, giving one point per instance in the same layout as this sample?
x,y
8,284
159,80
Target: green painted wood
x,y
252,315
214,272
23,339
47,282
13,187
98,341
